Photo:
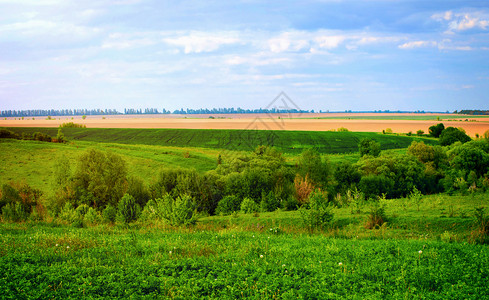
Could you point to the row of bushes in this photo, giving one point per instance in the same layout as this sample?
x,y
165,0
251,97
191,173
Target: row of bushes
x,y
36,136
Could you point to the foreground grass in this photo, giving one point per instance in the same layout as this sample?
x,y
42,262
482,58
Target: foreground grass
x,y
423,251
57,262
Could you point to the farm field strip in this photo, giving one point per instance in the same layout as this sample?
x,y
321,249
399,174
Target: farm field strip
x,y
321,122
293,142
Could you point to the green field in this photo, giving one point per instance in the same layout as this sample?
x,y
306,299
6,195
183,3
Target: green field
x,y
426,248
43,261
293,142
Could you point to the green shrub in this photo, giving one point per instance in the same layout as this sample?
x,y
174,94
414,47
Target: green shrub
x,y
14,212
39,136
227,205
176,211
480,234
7,134
376,216
91,217
451,135
68,214
249,206
316,213
269,202
291,203
368,146
72,125
127,209
109,214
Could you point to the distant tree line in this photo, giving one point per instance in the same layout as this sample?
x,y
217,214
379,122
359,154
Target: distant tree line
x,y
473,112
57,112
132,111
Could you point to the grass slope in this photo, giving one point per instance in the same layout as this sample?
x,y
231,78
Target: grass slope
x,y
241,140
34,161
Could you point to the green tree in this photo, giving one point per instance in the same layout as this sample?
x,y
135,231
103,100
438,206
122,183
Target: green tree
x,y
451,135
60,137
436,130
368,146
314,167
100,176
127,209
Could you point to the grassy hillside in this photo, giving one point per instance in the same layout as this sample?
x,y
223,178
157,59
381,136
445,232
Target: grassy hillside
x,y
246,140
34,161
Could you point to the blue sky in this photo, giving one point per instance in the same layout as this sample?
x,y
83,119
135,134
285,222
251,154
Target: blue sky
x,y
325,55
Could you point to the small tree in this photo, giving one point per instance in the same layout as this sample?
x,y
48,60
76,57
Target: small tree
x,y
368,146
420,132
436,130
127,209
317,212
60,137
452,135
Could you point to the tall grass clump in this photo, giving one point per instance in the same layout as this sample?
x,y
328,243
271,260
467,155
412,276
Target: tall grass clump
x,y
480,234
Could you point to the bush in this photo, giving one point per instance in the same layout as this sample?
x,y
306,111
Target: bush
x,y
249,206
376,216
269,202
375,185
7,134
480,234
451,135
69,215
91,217
39,136
176,211
228,205
72,125
109,214
138,190
317,212
436,130
14,212
290,203
368,146
127,209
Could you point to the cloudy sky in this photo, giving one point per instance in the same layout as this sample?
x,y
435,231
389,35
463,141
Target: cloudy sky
x,y
324,54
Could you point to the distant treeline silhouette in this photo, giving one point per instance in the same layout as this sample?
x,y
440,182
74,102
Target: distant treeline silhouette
x,y
473,112
131,111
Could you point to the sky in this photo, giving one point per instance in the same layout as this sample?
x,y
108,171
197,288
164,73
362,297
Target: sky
x,y
331,55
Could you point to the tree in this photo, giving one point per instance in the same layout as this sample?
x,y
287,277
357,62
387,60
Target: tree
x,y
127,209
368,146
100,178
311,165
451,135
436,130
60,137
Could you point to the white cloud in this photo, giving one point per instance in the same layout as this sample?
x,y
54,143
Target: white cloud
x,y
197,42
463,21
329,41
418,44
126,41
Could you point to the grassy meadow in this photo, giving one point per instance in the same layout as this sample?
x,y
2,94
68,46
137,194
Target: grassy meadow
x,y
425,249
